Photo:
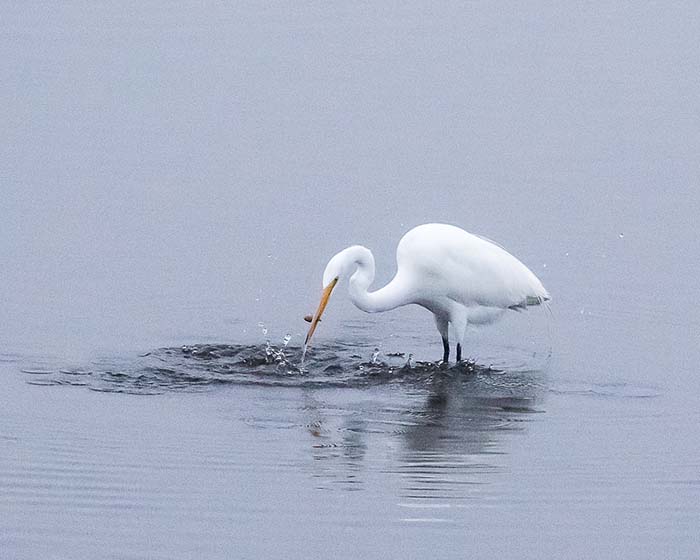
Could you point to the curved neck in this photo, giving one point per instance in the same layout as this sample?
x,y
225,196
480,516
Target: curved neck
x,y
389,297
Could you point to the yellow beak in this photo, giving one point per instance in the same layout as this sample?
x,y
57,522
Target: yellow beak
x,y
321,306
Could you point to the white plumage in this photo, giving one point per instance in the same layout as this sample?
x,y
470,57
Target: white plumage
x,y
460,277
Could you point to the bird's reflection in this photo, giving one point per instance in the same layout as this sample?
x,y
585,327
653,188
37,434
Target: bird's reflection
x,y
439,435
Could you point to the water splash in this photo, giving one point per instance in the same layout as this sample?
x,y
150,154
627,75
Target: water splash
x,y
303,356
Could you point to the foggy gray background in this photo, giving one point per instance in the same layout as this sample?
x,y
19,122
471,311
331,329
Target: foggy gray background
x,y
160,162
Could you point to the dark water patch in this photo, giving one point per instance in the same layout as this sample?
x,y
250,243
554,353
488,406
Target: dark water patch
x,y
201,367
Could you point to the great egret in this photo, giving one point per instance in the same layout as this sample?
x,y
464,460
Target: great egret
x,y
460,277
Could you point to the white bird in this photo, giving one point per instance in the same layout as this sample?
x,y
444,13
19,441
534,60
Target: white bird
x,y
461,278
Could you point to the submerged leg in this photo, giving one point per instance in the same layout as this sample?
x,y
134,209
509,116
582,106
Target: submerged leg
x,y
446,350
459,328
443,328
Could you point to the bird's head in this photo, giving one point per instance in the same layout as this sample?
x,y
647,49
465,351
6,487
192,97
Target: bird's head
x,y
340,266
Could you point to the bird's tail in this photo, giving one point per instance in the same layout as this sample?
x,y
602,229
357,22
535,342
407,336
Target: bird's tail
x,y
532,300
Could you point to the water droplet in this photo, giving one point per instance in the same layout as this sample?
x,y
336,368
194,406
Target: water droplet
x,y
621,235
286,339
375,356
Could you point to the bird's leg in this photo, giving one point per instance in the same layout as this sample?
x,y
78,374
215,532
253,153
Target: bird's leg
x,y
443,328
459,326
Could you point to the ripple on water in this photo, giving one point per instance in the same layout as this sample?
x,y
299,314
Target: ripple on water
x,y
37,371
616,390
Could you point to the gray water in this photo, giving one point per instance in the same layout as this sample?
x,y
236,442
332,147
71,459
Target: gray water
x,y
174,179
